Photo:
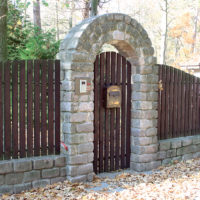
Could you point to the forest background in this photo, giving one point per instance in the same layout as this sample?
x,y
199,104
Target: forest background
x,y
36,27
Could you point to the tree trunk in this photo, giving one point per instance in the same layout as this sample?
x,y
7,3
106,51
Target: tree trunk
x,y
3,30
94,8
86,9
57,22
164,34
36,13
195,31
71,14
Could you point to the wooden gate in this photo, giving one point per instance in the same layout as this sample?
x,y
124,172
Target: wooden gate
x,y
111,125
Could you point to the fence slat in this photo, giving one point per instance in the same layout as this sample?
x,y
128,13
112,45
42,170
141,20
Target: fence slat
x,y
57,107
159,102
179,95
1,111
167,81
37,108
15,136
50,109
7,120
183,104
30,108
171,105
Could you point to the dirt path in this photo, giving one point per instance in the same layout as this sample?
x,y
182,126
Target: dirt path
x,y
177,181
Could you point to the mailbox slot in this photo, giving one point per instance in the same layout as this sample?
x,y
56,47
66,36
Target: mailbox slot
x,y
113,96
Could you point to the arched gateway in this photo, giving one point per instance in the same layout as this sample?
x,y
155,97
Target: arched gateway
x,y
125,104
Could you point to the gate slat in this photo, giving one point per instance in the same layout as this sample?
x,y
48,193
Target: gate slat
x,y
167,101
159,103
117,147
175,103
179,102
1,111
197,106
101,113
50,109
183,104
7,120
123,113
128,119
43,108
37,108
186,103
22,110
107,133
96,114
190,105
57,107
194,107
15,137
30,108
171,93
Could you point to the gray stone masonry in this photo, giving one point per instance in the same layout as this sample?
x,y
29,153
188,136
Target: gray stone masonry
x,y
77,54
23,174
182,148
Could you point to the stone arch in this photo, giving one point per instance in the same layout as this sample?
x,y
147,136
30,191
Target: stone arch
x,y
77,54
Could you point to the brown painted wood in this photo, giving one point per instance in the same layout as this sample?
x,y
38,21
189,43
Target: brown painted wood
x,y
107,116
30,108
183,104
1,111
43,108
175,102
171,93
112,115
22,110
50,108
194,106
197,107
96,114
190,105
15,136
123,113
37,108
7,121
167,82
57,107
186,103
159,102
179,103
128,118
101,113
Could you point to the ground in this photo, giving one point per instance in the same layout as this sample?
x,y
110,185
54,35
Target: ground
x,y
179,180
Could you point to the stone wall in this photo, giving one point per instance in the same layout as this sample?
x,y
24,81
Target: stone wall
x,y
182,148
22,174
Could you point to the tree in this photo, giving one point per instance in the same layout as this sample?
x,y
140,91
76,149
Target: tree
x,y
94,7
86,9
3,30
36,13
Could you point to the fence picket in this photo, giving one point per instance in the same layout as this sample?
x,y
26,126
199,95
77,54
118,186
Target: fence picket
x,y
1,111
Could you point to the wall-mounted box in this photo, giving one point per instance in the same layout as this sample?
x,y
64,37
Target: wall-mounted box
x,y
82,85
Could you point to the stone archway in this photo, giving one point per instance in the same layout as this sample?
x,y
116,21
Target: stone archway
x,y
77,54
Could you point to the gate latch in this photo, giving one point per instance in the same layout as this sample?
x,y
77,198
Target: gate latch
x,y
113,96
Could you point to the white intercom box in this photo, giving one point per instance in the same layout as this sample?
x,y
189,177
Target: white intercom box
x,y
82,85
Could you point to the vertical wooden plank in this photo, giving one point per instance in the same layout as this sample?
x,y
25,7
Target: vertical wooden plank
x,y
198,107
190,105
128,118
163,97
30,108
50,109
167,102
183,104
159,102
175,103
22,109
171,93
1,111
117,146
179,103
96,113
186,102
101,113
43,108
15,137
123,113
107,119
57,107
194,106
37,108
7,121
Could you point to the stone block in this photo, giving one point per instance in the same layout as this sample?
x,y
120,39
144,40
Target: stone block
x,y
60,161
167,161
8,189
139,167
68,128
186,150
85,128
142,123
151,132
6,167
162,155
196,139
77,159
72,170
142,141
142,105
137,132
171,153
2,179
186,141
78,117
164,145
40,183
22,165
178,158
86,147
145,69
31,176
43,163
22,187
85,169
50,173
196,155
14,178
76,179
144,158
86,107
90,176
153,148
57,179
90,157
176,143
152,165
76,138
63,171
187,156
144,114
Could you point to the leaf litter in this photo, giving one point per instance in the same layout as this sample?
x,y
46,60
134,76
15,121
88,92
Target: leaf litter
x,y
180,180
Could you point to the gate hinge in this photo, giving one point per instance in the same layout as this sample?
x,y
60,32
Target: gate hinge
x,y
160,86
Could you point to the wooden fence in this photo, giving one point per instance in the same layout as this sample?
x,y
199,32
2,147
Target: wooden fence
x,y
178,108
29,108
